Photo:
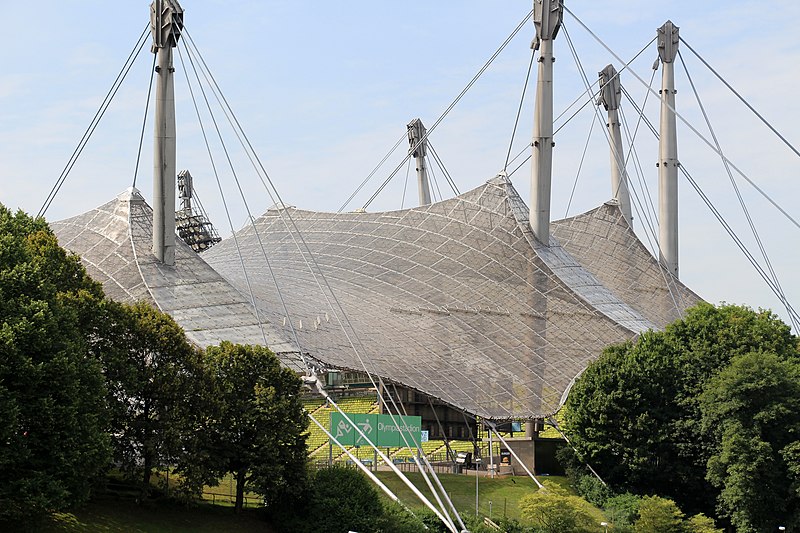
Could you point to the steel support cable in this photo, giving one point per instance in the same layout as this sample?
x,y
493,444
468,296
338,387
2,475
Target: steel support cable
x,y
345,331
632,152
230,117
250,217
144,118
224,201
123,73
620,160
792,313
288,216
328,295
740,97
587,85
645,215
554,423
519,108
452,105
691,127
374,171
591,95
746,211
575,114
405,185
649,216
580,165
392,496
250,150
447,175
305,362
725,225
493,427
356,461
433,176
430,467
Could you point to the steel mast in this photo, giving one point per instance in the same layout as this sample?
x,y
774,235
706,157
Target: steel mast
x,y
668,151
610,96
166,24
547,16
418,146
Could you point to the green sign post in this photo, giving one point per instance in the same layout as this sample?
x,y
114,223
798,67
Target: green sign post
x,y
380,429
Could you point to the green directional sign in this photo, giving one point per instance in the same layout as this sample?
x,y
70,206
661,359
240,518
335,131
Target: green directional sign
x,y
380,429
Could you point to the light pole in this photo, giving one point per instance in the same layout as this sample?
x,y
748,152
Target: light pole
x,y
605,526
781,528
477,464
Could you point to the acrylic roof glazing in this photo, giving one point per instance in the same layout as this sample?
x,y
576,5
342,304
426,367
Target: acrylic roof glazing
x,y
456,299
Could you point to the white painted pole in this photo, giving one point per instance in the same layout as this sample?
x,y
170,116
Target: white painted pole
x,y
166,21
668,39
547,15
610,96
418,145
491,456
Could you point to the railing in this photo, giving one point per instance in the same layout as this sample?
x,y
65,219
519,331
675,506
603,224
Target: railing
x,y
218,498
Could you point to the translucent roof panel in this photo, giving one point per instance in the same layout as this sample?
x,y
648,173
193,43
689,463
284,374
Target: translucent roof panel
x,y
456,299
603,242
114,242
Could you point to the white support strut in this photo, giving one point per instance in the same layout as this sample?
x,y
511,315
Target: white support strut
x,y
610,96
418,146
166,24
668,40
445,520
547,16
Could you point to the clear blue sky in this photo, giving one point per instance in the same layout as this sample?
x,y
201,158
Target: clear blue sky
x,y
324,89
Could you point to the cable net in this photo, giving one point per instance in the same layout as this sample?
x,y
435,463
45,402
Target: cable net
x,y
456,299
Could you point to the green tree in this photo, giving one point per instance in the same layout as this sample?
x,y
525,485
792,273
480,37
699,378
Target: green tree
x,y
634,414
553,510
256,430
622,510
156,385
659,515
343,499
752,411
52,439
700,523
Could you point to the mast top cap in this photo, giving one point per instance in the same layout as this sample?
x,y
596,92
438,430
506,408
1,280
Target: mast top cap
x,y
166,24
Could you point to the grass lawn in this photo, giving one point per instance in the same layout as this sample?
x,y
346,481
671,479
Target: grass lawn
x,y
503,492
124,516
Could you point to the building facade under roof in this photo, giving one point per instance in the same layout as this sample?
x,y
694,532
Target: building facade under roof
x,y
456,299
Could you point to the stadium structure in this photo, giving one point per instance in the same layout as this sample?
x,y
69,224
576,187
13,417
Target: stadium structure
x,y
473,307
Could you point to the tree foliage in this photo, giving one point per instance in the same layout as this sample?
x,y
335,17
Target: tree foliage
x,y
635,415
700,523
658,515
752,411
343,500
553,510
255,426
52,439
156,385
